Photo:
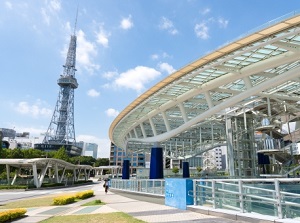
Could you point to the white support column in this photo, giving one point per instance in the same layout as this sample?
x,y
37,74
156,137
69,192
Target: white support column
x,y
56,173
85,174
17,173
247,82
135,133
89,174
245,119
8,174
143,130
74,175
62,175
167,124
208,99
269,107
183,112
212,133
43,173
230,154
130,134
152,127
35,176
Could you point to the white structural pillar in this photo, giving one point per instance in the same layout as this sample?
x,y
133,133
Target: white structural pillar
x,y
135,133
8,173
143,130
208,99
43,173
183,112
62,175
56,177
247,82
152,127
230,154
35,177
17,173
167,124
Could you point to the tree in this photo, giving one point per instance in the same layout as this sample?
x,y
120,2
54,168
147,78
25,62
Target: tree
x,y
199,169
102,162
61,154
33,153
175,170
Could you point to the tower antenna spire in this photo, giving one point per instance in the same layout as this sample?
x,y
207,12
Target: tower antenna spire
x,y
76,20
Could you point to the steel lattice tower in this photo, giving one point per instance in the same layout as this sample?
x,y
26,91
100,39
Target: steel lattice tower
x,y
61,129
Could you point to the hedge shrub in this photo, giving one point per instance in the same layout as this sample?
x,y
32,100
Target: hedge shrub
x,y
12,214
8,187
62,200
85,194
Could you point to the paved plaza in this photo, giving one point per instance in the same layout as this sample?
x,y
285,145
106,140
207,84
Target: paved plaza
x,y
148,209
143,210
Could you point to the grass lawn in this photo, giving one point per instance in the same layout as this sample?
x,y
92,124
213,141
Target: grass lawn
x,y
116,217
31,202
27,203
94,202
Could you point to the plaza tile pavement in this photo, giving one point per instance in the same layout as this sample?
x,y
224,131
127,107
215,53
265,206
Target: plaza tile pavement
x,y
143,210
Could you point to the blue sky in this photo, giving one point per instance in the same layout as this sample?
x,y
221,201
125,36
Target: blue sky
x,y
124,47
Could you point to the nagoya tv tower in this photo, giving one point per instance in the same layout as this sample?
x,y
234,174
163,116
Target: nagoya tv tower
x,y
61,131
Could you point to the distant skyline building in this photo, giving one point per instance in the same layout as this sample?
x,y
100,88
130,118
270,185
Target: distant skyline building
x,y
118,155
88,149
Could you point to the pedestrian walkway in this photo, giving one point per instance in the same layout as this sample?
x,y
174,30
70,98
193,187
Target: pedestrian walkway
x,y
115,202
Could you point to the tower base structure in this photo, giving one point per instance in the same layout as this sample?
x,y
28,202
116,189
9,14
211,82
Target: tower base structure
x,y
70,149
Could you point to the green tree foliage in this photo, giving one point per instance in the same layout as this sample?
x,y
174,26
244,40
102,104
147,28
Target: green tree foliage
x,y
102,162
175,170
17,153
32,153
61,154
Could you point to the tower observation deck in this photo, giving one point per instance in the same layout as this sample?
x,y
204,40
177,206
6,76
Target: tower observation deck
x,y
61,131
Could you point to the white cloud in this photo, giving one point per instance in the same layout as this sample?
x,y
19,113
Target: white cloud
x,y
50,9
110,74
103,144
154,56
166,67
166,24
111,112
93,93
201,30
222,22
36,110
102,36
136,78
55,5
126,23
32,130
205,11
8,5
45,16
86,51
158,56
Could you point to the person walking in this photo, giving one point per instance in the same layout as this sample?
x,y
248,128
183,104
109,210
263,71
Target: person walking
x,y
106,185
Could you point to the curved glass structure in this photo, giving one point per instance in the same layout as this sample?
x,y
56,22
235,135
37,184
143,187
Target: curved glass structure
x,y
244,96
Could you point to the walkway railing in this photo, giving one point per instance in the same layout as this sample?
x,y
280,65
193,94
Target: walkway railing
x,y
144,186
279,197
273,197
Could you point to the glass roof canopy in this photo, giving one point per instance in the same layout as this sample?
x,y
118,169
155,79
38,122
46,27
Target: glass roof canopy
x,y
257,74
